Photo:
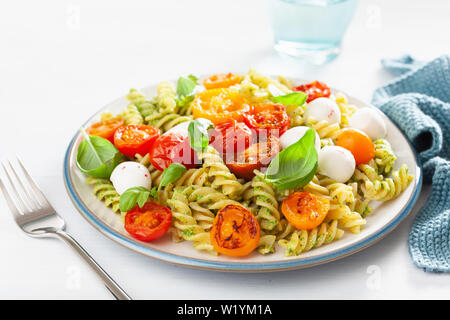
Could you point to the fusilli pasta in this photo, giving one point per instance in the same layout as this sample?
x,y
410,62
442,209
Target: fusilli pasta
x,y
131,115
104,190
218,172
185,226
388,188
305,240
265,200
384,156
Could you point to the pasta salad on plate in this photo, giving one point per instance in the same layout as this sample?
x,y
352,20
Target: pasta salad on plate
x,y
236,163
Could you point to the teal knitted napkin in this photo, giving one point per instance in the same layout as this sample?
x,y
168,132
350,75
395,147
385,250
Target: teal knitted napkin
x,y
419,103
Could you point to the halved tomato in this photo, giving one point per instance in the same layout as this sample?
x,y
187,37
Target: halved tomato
x,y
219,105
221,80
315,89
267,119
149,222
231,136
105,128
304,210
235,231
172,147
255,157
132,139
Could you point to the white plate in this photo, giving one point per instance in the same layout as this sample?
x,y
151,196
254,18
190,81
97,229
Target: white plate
x,y
384,219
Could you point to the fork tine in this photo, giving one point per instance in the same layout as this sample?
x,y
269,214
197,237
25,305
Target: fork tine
x,y
10,201
21,204
38,193
32,202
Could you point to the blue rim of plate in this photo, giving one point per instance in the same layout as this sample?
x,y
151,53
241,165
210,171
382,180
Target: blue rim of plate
x,y
239,266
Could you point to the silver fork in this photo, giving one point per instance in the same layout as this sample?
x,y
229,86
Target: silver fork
x,y
36,217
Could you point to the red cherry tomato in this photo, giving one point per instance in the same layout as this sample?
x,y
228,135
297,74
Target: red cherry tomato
x,y
149,222
133,139
257,156
105,128
170,148
231,137
315,89
267,119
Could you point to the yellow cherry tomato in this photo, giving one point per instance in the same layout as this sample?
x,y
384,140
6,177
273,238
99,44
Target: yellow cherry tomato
x,y
358,143
221,80
219,105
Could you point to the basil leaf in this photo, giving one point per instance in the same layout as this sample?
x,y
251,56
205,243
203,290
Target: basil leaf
x,y
198,133
97,157
185,89
182,101
131,196
154,192
185,86
170,174
193,78
296,182
294,166
294,98
142,198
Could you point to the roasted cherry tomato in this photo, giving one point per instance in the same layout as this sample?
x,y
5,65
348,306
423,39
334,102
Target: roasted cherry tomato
x,y
235,231
231,137
170,148
304,210
358,143
219,105
105,128
257,156
315,89
149,222
267,119
132,139
221,80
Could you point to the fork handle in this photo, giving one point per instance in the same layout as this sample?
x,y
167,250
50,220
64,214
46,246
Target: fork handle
x,y
110,284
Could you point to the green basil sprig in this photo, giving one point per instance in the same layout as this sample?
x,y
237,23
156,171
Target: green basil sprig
x,y
154,193
140,195
198,133
193,78
171,173
185,89
294,98
131,196
97,157
294,166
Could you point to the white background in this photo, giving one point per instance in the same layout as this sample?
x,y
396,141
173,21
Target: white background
x,y
60,61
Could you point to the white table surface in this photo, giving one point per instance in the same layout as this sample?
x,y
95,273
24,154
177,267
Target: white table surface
x,y
60,61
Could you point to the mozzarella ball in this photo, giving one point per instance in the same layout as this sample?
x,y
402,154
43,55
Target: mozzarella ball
x,y
294,134
130,174
337,163
370,122
181,128
323,109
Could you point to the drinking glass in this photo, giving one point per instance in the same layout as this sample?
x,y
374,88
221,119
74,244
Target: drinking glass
x,y
310,29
